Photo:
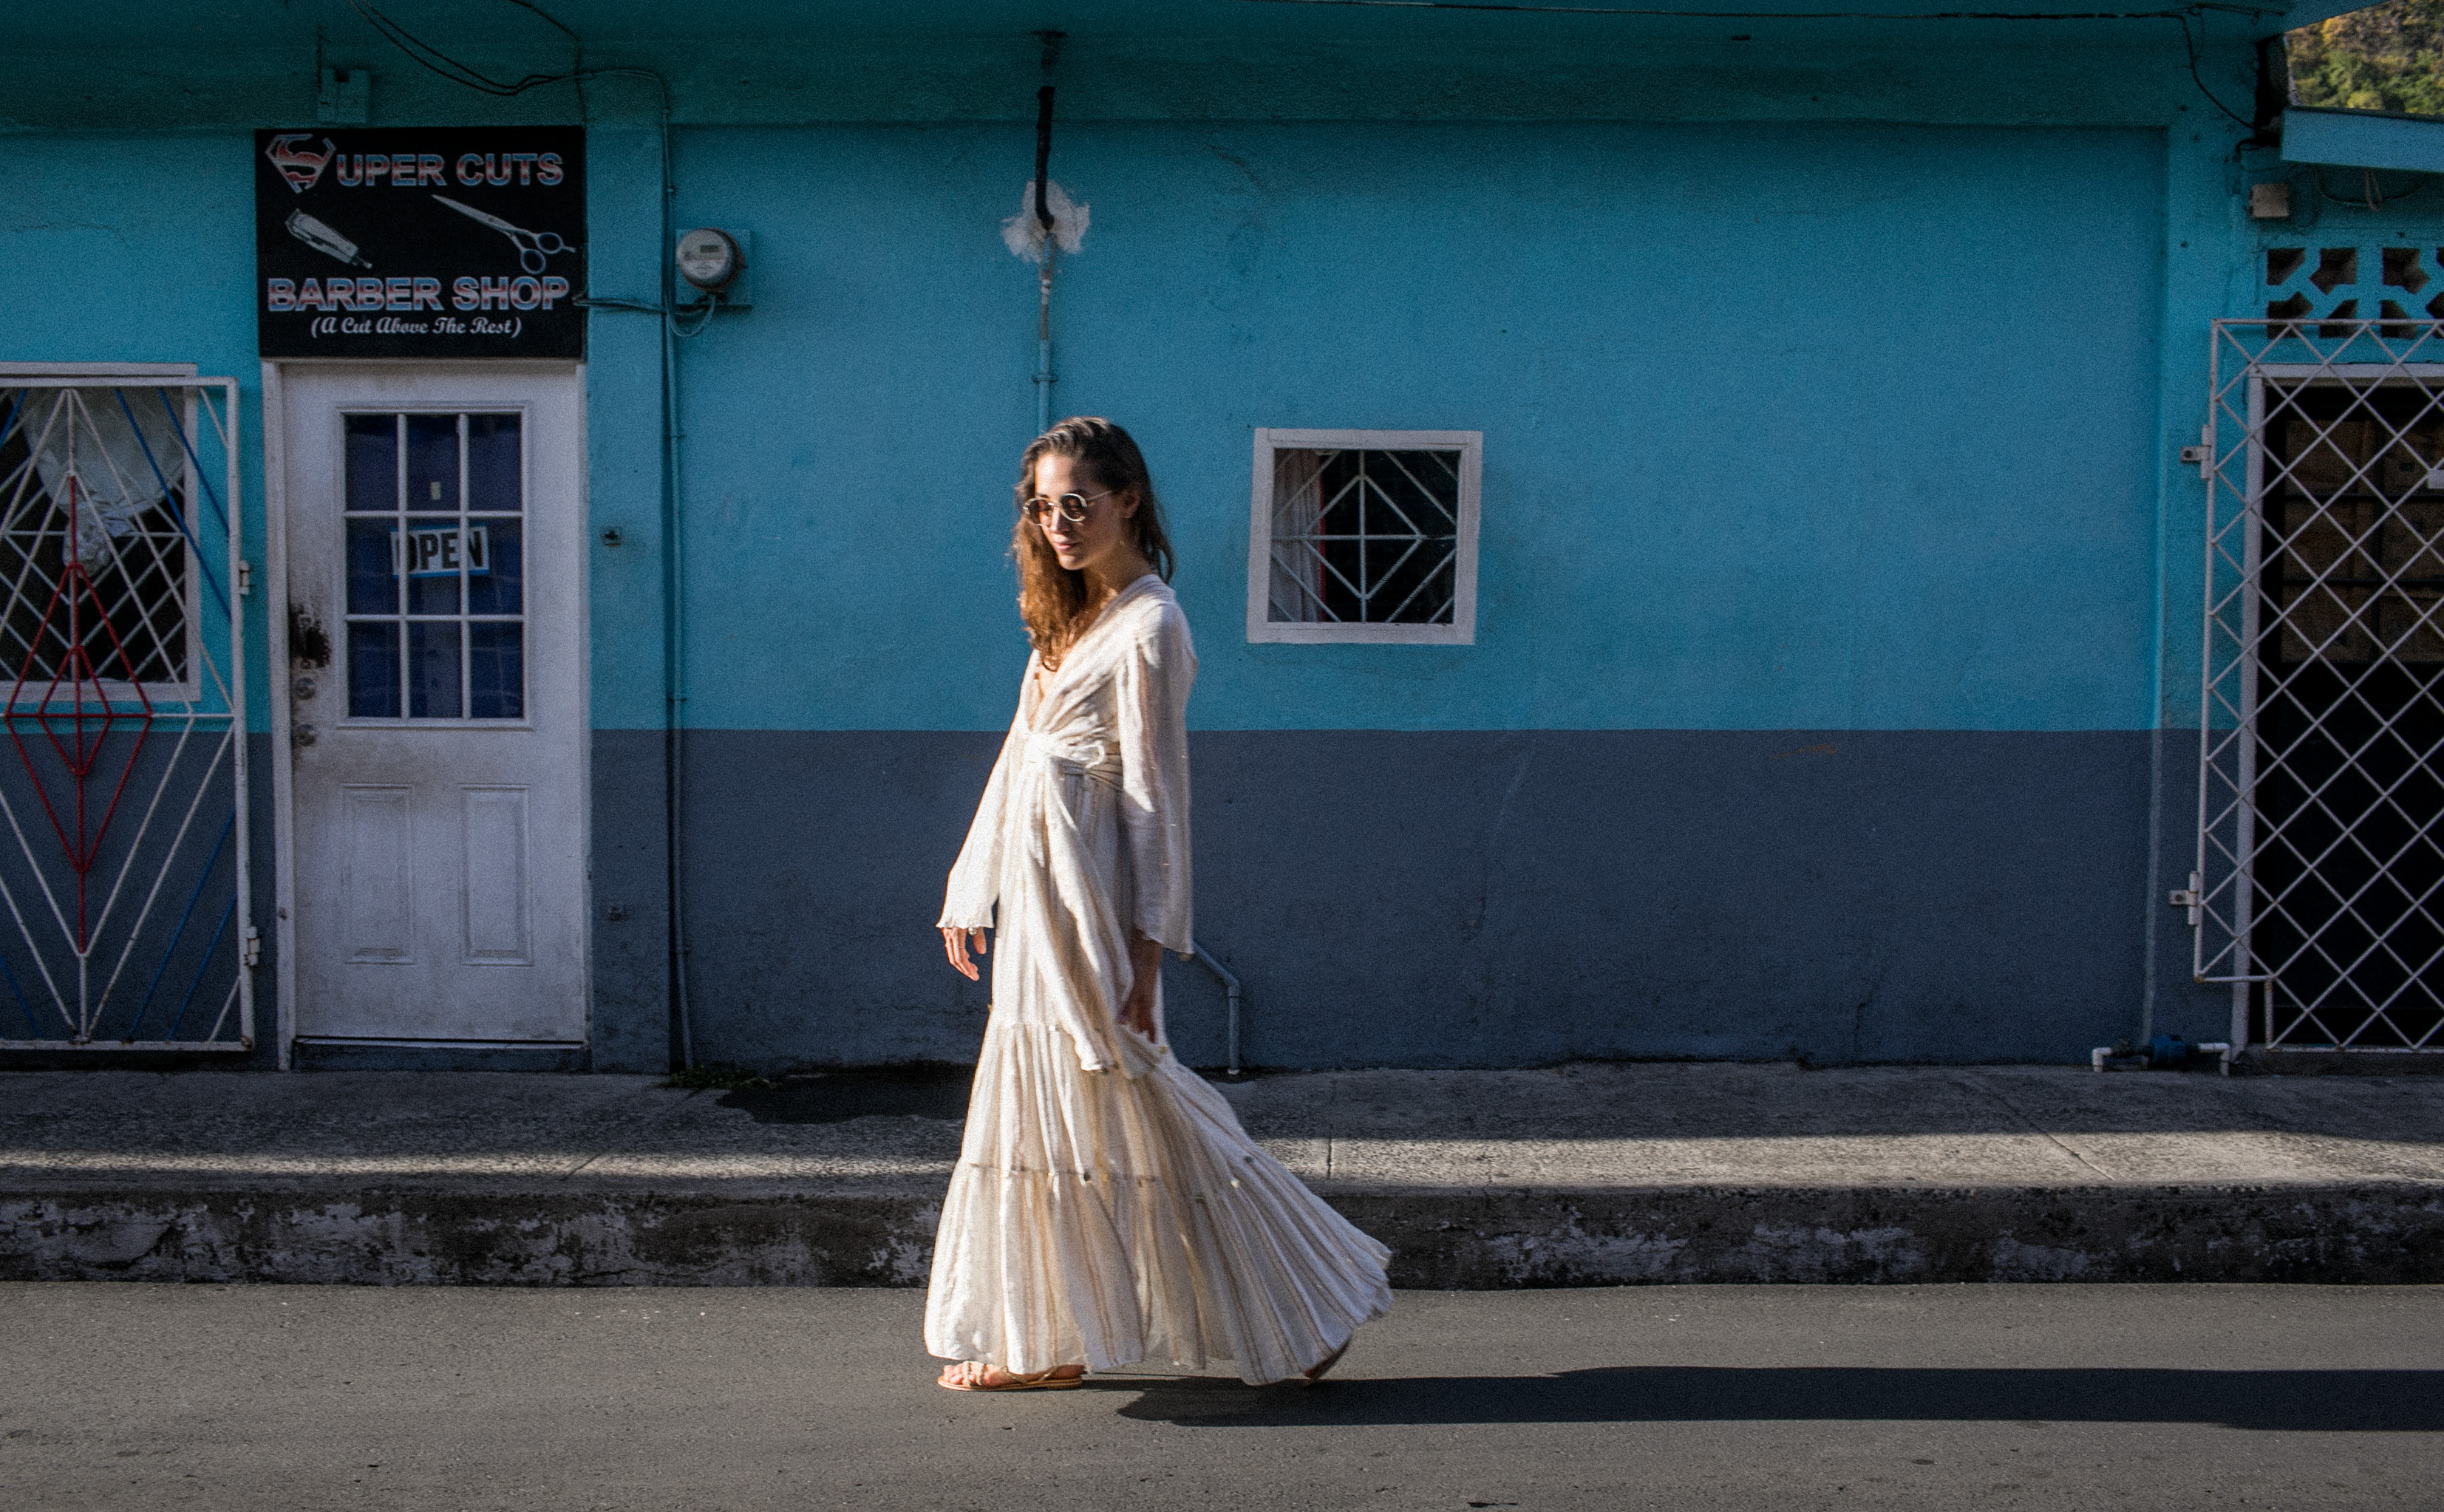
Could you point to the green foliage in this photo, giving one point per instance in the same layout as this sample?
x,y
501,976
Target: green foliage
x,y
2388,57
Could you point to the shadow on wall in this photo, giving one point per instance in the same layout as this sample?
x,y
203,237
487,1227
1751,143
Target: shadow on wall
x,y
2376,1401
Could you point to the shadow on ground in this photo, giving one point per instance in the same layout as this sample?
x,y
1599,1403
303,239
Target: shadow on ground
x,y
2376,1401
836,1096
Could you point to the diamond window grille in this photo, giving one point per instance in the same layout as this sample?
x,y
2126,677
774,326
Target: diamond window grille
x,y
1363,536
2319,887
123,919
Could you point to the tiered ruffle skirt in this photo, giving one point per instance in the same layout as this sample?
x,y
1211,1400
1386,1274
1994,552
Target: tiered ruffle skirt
x,y
1104,1219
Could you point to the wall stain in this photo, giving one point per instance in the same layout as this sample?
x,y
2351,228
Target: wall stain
x,y
308,646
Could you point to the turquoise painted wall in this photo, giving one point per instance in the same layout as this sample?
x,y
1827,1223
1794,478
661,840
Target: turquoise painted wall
x,y
1831,378
1828,428
121,248
1903,318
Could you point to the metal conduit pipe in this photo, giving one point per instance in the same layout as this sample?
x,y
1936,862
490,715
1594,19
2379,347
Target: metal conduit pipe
x,y
1044,221
1230,991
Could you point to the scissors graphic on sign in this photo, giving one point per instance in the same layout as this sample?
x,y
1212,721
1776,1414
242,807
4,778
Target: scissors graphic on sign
x,y
533,247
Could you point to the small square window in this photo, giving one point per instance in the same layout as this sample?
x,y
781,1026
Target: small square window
x,y
1364,536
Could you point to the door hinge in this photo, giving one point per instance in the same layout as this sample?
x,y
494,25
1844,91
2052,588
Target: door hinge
x,y
254,947
244,577
2186,898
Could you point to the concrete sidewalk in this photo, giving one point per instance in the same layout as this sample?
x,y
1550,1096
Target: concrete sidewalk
x,y
1573,1175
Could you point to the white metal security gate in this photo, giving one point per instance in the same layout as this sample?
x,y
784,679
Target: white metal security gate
x,y
124,898
2321,813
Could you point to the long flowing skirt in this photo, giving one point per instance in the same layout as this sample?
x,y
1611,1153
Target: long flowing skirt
x,y
1106,1219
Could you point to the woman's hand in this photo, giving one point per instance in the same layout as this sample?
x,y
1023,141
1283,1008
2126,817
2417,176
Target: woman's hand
x,y
954,944
1146,973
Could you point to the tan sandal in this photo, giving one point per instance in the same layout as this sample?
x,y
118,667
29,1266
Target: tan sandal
x,y
1042,1381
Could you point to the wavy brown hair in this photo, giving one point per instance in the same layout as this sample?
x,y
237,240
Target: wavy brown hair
x,y
1051,597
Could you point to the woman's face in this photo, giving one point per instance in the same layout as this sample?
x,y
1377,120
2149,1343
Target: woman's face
x,y
1098,538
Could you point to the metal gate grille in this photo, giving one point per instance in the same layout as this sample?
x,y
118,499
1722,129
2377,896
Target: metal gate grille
x,y
123,896
2321,823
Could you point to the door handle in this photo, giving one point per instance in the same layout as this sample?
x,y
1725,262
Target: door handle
x,y
302,735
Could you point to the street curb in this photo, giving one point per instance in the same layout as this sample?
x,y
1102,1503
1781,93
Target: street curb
x,y
2362,1235
2390,1233
396,1237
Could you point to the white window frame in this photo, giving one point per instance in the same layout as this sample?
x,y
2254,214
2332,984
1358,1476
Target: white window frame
x,y
339,582
1462,628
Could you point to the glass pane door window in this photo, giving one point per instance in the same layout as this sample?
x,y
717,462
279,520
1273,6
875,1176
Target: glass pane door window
x,y
435,512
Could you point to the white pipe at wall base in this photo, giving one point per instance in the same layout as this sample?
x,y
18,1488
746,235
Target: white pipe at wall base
x,y
2223,1049
1230,989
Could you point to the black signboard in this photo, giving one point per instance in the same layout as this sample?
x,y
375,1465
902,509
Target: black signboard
x,y
448,242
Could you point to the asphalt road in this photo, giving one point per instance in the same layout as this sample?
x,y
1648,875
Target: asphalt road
x,y
131,1397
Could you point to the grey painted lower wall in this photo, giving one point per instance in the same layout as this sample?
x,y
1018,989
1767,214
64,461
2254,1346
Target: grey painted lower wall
x,y
631,1028
1449,898
1435,898
2174,1004
262,917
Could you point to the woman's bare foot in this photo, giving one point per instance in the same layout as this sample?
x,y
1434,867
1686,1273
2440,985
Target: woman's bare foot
x,y
975,1375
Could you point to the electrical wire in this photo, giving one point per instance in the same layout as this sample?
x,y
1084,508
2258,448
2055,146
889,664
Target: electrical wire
x,y
451,68
2191,47
2373,195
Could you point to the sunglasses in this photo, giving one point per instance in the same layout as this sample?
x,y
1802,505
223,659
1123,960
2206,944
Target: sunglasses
x,y
1071,507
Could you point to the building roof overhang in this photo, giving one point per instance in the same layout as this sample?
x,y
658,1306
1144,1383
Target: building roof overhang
x,y
2362,138
477,23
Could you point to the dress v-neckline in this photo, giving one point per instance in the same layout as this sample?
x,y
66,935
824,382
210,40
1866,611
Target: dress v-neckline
x,y
1103,617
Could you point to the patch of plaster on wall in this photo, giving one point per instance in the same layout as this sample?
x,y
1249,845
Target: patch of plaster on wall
x,y
1023,235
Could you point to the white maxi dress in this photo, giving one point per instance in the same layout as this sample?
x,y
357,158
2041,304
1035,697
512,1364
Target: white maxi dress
x,y
1107,1208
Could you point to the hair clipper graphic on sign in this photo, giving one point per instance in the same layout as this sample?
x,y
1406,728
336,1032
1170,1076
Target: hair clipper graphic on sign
x,y
446,242
323,238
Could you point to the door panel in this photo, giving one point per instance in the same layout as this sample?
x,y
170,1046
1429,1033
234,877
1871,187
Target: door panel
x,y
497,899
377,886
436,528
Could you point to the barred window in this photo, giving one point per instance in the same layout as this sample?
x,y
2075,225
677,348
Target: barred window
x,y
94,492
1367,536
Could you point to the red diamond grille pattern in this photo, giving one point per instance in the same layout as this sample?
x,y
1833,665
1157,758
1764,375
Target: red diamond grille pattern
x,y
117,693
77,718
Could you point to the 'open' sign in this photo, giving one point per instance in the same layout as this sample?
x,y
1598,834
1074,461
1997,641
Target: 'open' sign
x,y
442,551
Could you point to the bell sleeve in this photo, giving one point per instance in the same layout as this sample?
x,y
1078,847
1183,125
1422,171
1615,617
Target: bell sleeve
x,y
1152,684
975,877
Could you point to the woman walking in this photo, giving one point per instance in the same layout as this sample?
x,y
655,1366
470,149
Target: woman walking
x,y
1107,1208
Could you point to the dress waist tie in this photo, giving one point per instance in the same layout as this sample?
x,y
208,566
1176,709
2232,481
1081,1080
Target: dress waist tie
x,y
1093,759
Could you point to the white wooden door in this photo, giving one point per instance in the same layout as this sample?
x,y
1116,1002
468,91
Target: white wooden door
x,y
435,696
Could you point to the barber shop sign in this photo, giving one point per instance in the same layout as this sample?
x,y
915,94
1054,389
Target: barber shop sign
x,y
420,243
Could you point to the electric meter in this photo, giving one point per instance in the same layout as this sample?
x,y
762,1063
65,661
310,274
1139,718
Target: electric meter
x,y
710,259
